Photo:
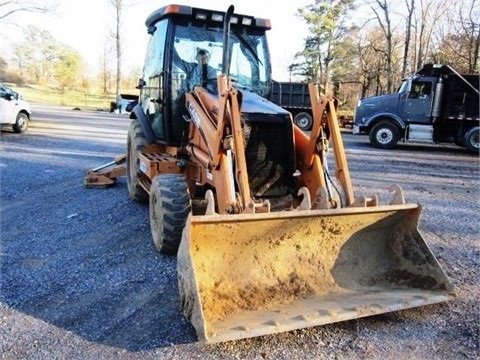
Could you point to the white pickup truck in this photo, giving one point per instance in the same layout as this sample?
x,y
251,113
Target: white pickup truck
x,y
14,110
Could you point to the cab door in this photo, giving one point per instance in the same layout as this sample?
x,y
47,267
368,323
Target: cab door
x,y
8,109
3,110
7,106
152,96
418,104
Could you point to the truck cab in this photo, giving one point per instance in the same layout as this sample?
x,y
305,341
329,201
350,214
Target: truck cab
x,y
410,105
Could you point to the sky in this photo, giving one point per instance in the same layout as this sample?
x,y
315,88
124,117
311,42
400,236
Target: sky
x,y
85,24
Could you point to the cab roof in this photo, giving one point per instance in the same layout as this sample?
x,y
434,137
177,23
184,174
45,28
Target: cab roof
x,y
174,10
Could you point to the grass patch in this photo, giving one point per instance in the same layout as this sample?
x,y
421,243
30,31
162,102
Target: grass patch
x,y
70,98
83,100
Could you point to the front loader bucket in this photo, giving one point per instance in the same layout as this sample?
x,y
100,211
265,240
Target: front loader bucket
x,y
243,276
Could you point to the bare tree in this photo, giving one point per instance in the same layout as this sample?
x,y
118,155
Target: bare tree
x,y
118,5
475,64
9,7
392,40
469,27
105,76
383,18
458,40
408,34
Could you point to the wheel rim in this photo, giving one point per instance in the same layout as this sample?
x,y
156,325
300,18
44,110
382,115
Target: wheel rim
x,y
384,136
474,140
22,123
303,122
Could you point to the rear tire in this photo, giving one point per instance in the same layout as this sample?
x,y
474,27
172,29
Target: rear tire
x,y
21,124
471,140
169,209
303,120
384,135
136,142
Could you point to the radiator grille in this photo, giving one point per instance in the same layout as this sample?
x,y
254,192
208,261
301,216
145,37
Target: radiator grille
x,y
269,155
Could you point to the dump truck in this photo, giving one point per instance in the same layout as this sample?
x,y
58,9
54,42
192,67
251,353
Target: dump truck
x,y
267,238
437,104
295,98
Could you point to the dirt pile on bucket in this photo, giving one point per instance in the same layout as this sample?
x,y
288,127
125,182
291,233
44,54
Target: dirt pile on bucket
x,y
248,275
251,266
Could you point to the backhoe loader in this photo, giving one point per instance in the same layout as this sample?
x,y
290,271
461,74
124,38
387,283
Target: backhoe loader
x,y
267,238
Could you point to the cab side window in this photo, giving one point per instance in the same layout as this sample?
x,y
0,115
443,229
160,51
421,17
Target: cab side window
x,y
153,92
420,89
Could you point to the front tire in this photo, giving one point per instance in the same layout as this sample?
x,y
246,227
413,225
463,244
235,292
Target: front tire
x,y
169,209
136,142
384,135
471,140
303,120
21,123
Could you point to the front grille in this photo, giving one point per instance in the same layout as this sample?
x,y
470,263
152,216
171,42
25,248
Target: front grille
x,y
269,154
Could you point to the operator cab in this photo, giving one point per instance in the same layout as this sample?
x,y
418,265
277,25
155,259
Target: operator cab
x,y
178,33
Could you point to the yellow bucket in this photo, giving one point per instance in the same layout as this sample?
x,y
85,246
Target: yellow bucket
x,y
243,276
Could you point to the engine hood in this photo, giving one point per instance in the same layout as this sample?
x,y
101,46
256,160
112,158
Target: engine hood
x,y
369,107
253,103
385,102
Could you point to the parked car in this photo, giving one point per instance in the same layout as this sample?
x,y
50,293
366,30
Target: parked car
x,y
14,110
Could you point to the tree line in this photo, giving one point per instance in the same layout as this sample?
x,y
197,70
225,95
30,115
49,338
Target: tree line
x,y
354,48
361,48
41,59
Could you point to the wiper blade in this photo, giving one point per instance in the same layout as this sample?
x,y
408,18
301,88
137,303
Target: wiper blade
x,y
248,46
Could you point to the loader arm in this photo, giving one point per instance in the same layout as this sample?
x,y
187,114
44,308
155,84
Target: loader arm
x,y
312,152
341,166
217,142
218,125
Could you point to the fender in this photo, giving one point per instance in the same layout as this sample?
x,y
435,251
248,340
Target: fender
x,y
137,112
369,123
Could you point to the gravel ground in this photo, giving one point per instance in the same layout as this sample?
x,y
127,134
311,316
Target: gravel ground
x,y
80,278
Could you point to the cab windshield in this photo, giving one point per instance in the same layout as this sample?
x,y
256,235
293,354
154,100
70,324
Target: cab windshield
x,y
249,59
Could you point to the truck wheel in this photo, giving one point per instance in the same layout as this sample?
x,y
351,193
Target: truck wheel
x,y
471,140
169,209
135,143
303,120
21,124
384,135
